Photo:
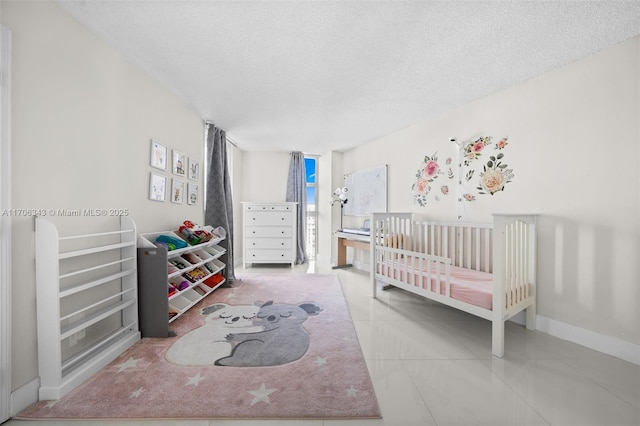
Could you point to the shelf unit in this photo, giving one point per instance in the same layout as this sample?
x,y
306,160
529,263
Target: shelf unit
x,y
157,306
87,311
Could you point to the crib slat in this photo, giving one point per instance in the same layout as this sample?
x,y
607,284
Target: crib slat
x,y
476,246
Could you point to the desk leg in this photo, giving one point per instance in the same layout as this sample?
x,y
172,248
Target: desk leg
x,y
342,255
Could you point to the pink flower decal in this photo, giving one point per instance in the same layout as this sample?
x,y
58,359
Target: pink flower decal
x,y
422,186
477,147
431,169
502,143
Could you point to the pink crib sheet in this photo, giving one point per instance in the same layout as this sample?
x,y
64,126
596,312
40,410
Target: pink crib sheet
x,y
466,285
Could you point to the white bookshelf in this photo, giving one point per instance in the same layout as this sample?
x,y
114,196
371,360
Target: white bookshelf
x,y
87,312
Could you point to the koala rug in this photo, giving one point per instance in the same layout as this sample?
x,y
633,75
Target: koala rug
x,y
272,346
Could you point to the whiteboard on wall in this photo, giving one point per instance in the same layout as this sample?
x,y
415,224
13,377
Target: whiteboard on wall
x,y
366,191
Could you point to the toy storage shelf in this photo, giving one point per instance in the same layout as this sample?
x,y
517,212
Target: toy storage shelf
x,y
199,270
86,303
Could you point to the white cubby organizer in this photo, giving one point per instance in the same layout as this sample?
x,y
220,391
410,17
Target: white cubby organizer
x,y
158,308
87,312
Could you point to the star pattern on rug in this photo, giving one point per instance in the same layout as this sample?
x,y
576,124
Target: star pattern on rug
x,y
130,363
261,394
136,393
194,380
51,403
320,361
352,392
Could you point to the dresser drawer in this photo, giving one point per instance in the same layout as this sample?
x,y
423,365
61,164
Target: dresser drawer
x,y
266,255
267,232
268,243
269,207
269,219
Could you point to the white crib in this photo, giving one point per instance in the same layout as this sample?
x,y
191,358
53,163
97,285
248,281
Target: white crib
x,y
488,270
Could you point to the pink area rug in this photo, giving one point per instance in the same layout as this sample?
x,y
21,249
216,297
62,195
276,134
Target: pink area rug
x,y
273,346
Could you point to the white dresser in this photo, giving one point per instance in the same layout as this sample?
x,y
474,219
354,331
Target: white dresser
x,y
269,233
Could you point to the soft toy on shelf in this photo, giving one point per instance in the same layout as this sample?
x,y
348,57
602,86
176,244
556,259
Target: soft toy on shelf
x,y
192,232
189,235
170,242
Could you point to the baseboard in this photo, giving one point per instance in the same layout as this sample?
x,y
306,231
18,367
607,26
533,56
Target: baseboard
x,y
599,342
363,266
24,396
590,339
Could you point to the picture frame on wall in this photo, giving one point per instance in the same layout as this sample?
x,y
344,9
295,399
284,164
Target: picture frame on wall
x,y
177,191
179,163
157,187
192,194
194,169
158,155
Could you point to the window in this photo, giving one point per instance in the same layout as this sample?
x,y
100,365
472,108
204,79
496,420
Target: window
x,y
311,170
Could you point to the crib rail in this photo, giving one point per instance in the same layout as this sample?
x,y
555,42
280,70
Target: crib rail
x,y
413,271
468,245
515,262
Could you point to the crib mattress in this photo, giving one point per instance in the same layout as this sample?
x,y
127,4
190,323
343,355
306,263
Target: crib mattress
x,y
466,285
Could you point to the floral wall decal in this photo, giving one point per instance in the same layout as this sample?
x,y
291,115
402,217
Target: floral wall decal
x,y
426,175
473,150
494,174
481,171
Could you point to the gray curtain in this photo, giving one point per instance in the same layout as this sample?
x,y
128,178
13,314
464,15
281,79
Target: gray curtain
x,y
297,191
219,208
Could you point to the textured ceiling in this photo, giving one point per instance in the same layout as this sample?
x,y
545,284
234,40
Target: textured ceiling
x,y
316,76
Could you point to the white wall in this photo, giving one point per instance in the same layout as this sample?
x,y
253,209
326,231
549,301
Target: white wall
x,y
265,175
83,118
574,146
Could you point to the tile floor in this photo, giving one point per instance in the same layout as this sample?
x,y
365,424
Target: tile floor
x,y
432,365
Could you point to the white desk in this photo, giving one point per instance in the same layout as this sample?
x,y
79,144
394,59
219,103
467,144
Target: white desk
x,y
346,239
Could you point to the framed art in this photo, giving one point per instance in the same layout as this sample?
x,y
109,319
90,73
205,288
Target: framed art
x,y
158,155
194,169
157,187
179,163
177,191
192,194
